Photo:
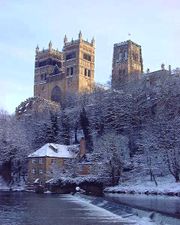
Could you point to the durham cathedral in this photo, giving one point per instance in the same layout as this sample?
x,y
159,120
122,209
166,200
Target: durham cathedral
x,y
70,71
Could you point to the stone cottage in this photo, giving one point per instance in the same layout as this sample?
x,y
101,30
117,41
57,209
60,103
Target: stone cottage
x,y
42,161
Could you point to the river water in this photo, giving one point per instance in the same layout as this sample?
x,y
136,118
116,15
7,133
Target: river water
x,y
20,208
46,209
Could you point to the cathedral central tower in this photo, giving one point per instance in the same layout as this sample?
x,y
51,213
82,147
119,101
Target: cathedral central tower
x,y
127,62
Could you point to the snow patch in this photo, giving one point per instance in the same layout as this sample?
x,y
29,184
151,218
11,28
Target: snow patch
x,y
166,185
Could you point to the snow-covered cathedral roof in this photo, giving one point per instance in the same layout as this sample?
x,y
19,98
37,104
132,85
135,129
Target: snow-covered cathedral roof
x,y
56,150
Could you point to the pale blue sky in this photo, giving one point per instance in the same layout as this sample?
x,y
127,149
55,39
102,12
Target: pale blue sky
x,y
155,25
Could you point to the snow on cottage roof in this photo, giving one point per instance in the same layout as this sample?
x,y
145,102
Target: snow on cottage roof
x,y
55,150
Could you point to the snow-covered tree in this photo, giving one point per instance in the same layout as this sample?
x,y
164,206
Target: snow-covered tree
x,y
110,154
14,148
169,143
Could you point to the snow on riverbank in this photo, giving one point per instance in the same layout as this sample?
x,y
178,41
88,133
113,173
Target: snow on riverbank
x,y
18,186
166,186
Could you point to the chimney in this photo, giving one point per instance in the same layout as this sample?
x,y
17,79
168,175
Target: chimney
x,y
169,69
82,149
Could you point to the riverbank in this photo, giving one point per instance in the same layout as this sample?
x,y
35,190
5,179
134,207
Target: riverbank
x,y
165,186
15,187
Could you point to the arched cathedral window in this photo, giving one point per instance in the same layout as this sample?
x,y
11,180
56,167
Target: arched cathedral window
x,y
56,94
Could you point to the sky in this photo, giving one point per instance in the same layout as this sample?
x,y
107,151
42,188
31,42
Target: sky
x,y
155,25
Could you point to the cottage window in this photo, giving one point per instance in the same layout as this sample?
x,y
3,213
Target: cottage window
x,y
53,161
40,161
33,161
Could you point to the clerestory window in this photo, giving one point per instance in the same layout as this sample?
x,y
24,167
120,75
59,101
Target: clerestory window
x,y
71,55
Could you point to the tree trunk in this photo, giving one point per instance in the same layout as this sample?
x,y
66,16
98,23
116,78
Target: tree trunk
x,y
177,177
75,135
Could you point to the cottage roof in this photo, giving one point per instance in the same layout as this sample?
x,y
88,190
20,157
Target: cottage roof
x,y
56,150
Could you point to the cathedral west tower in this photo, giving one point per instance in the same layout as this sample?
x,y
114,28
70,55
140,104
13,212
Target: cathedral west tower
x,y
71,70
79,57
49,74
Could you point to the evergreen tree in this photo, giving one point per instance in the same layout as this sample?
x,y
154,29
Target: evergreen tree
x,y
86,130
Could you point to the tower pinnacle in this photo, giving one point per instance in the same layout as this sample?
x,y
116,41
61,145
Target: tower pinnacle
x,y
37,49
50,46
65,39
93,41
80,35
